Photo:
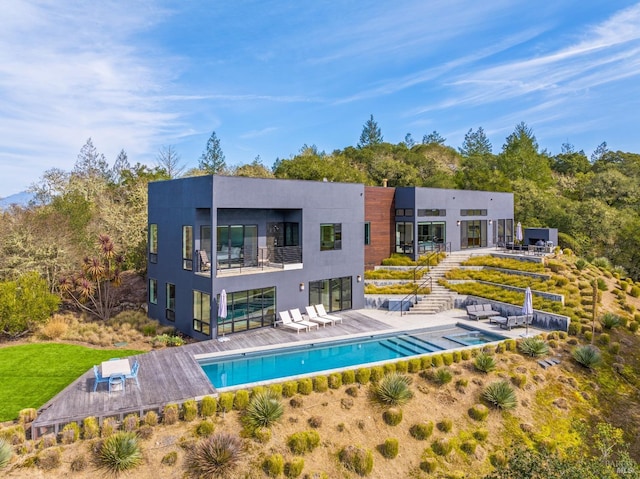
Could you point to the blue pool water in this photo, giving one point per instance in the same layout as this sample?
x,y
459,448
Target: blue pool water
x,y
246,368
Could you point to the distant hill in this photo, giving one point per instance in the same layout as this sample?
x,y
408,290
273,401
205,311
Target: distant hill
x,y
21,199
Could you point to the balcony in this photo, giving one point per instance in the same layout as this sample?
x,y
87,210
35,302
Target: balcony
x,y
241,260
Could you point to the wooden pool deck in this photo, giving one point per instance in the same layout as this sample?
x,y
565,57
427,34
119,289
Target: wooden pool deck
x,y
172,375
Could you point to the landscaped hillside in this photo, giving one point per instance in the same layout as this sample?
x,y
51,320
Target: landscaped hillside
x,y
492,412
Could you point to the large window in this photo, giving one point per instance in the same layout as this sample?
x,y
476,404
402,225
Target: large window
x,y
431,234
335,293
237,246
404,237
153,243
473,234
202,312
153,291
250,309
171,302
503,231
187,247
330,236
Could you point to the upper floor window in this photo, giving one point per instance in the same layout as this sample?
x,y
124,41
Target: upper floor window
x,y
153,243
330,236
473,212
153,291
432,212
187,247
404,212
171,302
367,233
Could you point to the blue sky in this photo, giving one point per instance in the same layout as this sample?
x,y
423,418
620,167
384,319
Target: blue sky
x,y
271,76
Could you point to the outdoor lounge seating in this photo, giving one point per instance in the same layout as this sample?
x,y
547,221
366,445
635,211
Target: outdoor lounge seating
x,y
297,318
116,383
511,321
313,316
205,264
323,313
287,322
134,373
481,311
99,378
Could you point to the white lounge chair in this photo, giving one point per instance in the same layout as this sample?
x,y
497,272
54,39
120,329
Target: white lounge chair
x,y
323,313
288,323
313,316
298,319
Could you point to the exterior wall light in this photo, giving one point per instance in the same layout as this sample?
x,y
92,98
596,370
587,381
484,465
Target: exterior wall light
x,y
301,286
359,278
458,222
490,222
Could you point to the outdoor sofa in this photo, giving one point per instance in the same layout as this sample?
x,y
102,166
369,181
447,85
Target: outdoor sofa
x,y
512,321
481,311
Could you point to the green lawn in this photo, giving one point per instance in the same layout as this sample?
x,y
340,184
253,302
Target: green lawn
x,y
32,374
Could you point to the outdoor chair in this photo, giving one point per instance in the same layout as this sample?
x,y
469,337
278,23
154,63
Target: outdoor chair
x,y
323,313
205,264
313,316
134,372
296,316
99,378
285,318
115,382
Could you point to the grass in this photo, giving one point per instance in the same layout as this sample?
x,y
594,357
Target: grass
x,y
34,373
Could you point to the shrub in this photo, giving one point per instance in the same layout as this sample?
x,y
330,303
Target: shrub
x,y
304,441
469,446
581,264
273,465
208,406
205,428
296,402
377,373
500,348
533,346
633,326
90,428
402,366
436,360
587,356
441,447
225,402
443,376
635,291
290,389
485,363
465,354
70,433
389,368
150,418
421,431
49,459
120,452
414,365
519,380
217,455
610,320
363,375
429,465
257,390
426,362
305,386
392,416
447,359
262,434
320,384
315,421
390,448
500,394
574,329
601,262
5,453
79,463
170,458
481,435
603,339
263,410
27,415
352,391
170,414
602,284
479,412
457,356
130,423
335,381
189,410
393,389
55,328
274,389
348,377
145,431
356,459
588,335
445,425
241,400
294,467
109,427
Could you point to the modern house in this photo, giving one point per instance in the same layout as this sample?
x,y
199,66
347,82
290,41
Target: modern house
x,y
273,245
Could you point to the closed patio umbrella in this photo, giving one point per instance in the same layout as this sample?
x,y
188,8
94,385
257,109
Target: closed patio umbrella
x,y
527,307
519,232
222,309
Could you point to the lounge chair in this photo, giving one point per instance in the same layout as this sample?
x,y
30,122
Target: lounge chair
x,y
298,319
323,313
288,323
205,264
99,378
313,316
134,373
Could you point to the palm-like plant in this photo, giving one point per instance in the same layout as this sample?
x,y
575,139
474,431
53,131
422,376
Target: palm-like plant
x,y
263,410
120,452
534,347
588,356
500,394
393,389
485,363
610,320
215,456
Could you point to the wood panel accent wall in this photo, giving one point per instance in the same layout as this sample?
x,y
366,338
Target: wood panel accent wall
x,y
379,211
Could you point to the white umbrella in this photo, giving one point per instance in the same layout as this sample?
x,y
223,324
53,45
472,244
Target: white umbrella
x,y
527,307
222,309
519,232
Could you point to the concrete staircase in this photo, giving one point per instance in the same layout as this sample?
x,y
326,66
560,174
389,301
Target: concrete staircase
x,y
441,298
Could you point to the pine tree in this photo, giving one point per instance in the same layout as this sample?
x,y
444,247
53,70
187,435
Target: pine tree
x,y
433,137
212,159
371,134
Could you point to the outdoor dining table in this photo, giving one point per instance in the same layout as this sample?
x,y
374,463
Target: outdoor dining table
x,y
116,367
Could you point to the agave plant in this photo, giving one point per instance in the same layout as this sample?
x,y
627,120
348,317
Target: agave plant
x,y
393,389
263,410
610,320
500,394
533,346
215,456
588,356
120,452
485,363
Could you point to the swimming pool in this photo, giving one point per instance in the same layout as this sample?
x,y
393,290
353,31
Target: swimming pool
x,y
258,367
